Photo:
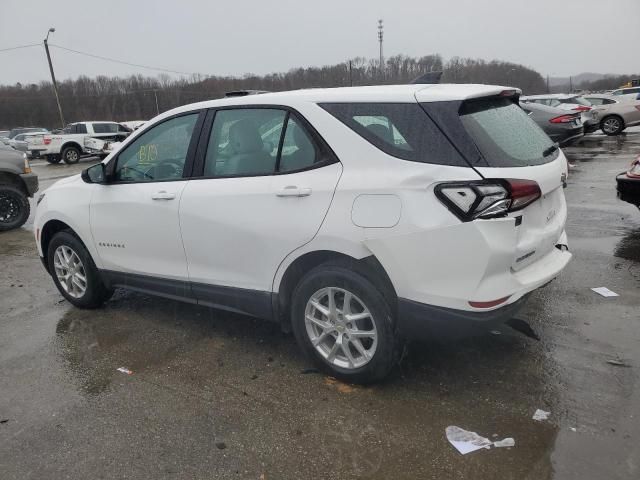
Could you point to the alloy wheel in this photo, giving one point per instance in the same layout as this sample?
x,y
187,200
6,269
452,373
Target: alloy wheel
x,y
9,207
70,271
341,328
611,125
72,155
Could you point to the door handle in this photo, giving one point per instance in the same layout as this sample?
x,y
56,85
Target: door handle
x,y
162,195
293,191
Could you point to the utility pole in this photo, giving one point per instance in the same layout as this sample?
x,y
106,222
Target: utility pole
x,y
155,94
380,38
53,77
350,74
570,84
548,84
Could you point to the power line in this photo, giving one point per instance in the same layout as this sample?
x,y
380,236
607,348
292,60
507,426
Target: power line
x,y
122,61
20,46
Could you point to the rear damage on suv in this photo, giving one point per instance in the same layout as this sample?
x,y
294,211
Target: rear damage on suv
x,y
506,237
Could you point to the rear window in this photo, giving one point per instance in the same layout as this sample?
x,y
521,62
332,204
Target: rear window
x,y
402,130
105,128
576,100
505,135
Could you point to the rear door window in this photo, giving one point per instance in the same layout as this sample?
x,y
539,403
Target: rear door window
x,y
402,130
505,135
105,128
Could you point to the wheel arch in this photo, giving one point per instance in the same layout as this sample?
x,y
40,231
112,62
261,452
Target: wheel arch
x,y
10,178
368,266
617,115
73,144
49,229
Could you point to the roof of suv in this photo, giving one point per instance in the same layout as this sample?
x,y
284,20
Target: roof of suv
x,y
378,93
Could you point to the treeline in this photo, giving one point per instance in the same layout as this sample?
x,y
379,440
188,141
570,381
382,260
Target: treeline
x,y
139,97
609,82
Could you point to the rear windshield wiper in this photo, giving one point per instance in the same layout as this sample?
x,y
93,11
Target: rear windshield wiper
x,y
548,151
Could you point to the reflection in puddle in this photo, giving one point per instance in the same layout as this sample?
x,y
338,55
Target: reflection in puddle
x,y
629,246
396,429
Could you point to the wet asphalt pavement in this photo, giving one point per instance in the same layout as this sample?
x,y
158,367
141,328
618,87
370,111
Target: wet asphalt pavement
x,y
214,395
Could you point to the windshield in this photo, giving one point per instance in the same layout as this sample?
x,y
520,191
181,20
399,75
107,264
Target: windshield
x,y
505,135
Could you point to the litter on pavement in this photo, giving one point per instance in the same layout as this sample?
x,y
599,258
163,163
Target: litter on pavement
x,y
507,442
466,442
618,363
605,292
125,370
541,415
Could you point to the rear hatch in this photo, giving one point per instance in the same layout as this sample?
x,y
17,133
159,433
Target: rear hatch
x,y
501,141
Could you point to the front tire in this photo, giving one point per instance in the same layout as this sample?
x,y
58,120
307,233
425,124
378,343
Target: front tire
x,y
71,155
74,273
344,325
14,207
612,125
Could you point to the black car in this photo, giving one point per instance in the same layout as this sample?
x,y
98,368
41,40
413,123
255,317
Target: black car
x,y
629,184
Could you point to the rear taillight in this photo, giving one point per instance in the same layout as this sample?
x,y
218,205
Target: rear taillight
x,y
487,198
46,140
523,192
563,119
637,107
581,108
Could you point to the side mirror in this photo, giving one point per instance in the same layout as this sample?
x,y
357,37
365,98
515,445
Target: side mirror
x,y
95,174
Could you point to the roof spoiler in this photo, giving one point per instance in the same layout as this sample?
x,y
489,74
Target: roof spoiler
x,y
244,93
428,78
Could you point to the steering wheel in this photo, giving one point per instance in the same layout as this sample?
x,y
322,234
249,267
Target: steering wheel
x,y
141,172
169,169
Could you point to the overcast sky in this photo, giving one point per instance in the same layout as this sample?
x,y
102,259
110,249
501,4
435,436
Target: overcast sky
x,y
555,37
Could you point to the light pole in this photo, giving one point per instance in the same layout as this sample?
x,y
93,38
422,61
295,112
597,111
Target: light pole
x,y
380,39
53,77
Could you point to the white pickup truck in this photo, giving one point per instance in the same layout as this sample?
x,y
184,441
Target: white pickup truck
x,y
76,140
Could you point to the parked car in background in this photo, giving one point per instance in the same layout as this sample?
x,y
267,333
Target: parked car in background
x,y
18,131
70,144
21,142
4,134
570,102
614,113
391,207
629,184
133,124
562,126
17,184
633,92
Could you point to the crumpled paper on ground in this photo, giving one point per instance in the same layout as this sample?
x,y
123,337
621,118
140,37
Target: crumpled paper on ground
x,y
466,442
541,415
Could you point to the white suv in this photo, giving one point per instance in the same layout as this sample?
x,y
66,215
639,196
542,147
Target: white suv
x,y
357,217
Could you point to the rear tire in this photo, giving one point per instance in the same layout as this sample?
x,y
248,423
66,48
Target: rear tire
x,y
53,158
612,125
14,207
71,155
355,342
74,273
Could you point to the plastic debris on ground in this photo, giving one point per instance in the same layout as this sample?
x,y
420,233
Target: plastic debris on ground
x,y
506,442
541,415
617,362
465,441
125,370
605,292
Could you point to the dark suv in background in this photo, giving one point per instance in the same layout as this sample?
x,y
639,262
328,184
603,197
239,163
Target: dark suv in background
x,y
17,184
